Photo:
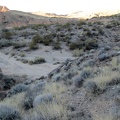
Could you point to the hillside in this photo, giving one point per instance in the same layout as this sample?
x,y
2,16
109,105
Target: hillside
x,y
13,18
65,71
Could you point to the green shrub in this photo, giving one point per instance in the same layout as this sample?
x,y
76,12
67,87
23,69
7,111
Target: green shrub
x,y
18,45
7,34
46,41
81,22
56,46
37,61
72,46
90,44
33,45
37,39
78,45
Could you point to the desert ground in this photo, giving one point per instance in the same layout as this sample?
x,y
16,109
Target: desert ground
x,y
68,71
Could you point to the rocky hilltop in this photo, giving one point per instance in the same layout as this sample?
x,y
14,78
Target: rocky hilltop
x,y
3,9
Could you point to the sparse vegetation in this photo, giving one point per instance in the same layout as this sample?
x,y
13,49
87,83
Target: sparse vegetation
x,y
83,88
37,60
7,34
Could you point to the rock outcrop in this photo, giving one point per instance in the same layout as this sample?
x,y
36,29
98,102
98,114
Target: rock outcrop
x,y
3,9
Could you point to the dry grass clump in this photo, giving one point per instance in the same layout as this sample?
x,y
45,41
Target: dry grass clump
x,y
108,75
55,109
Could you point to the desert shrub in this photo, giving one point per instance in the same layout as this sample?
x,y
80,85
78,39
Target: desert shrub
x,y
5,43
31,93
35,27
91,87
56,46
33,45
1,74
18,89
86,45
8,113
103,56
18,45
7,34
100,30
67,25
52,111
37,61
78,81
72,46
91,44
109,26
47,39
27,103
46,42
42,99
20,28
87,72
77,52
12,54
88,64
22,54
88,33
81,22
57,78
37,39
23,60
7,82
39,86
107,75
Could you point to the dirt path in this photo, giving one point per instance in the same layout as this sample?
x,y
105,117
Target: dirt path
x,y
10,66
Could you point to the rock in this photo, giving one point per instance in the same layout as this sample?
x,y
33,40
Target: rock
x,y
103,56
3,9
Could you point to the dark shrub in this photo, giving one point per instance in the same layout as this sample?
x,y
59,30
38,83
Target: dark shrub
x,y
78,81
37,61
33,45
1,74
37,39
18,89
7,35
91,87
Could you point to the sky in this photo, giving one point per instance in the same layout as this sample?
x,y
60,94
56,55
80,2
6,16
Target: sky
x,y
60,6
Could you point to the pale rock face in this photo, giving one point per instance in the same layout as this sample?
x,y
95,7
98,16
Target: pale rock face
x,y
3,9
